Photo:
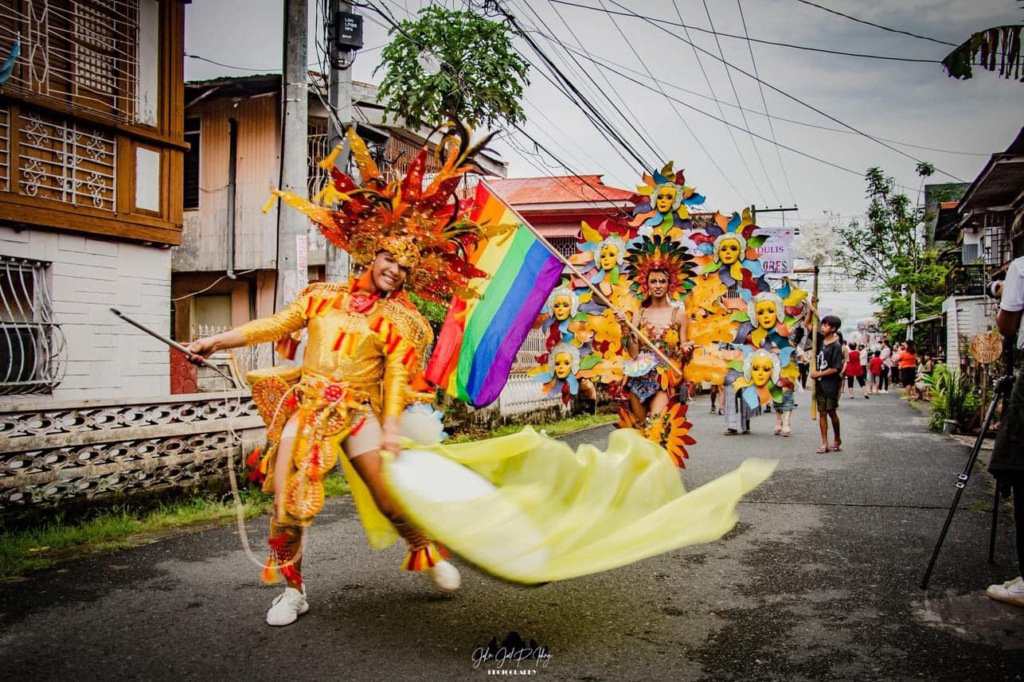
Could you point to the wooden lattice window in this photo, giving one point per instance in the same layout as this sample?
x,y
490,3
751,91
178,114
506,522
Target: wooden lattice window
x,y
5,148
83,53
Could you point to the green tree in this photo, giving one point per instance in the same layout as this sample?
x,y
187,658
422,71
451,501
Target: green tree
x,y
452,65
888,252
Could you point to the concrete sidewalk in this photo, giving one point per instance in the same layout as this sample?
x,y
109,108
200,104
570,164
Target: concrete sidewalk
x,y
820,580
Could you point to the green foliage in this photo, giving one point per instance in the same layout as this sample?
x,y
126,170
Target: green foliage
x,y
953,396
481,77
888,252
434,312
553,429
129,524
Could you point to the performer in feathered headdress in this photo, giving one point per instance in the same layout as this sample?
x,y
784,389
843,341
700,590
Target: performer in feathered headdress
x,y
662,273
363,360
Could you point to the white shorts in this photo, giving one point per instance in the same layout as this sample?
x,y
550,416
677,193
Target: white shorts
x,y
367,435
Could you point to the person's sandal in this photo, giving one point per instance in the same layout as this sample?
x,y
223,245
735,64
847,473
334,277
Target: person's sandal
x,y
731,432
836,447
822,450
778,430
785,433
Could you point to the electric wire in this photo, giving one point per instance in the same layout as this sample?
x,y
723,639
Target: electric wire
x,y
869,23
764,103
743,114
605,63
774,43
644,134
711,88
685,123
786,94
733,125
517,26
389,17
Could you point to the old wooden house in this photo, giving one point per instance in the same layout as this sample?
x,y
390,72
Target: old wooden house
x,y
91,152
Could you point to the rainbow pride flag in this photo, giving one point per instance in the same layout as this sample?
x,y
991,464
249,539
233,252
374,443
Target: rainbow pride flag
x,y
480,338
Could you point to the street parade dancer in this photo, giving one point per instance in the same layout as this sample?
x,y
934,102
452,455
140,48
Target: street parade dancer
x,y
662,271
362,363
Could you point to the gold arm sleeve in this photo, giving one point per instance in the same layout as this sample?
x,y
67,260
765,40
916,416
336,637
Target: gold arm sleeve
x,y
396,381
278,325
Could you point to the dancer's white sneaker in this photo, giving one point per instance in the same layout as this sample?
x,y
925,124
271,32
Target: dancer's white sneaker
x,y
445,577
287,607
1011,592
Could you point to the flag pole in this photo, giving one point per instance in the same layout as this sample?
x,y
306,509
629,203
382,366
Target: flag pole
x,y
814,344
597,292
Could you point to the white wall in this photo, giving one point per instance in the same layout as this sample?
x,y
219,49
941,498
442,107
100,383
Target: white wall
x,y
966,316
105,357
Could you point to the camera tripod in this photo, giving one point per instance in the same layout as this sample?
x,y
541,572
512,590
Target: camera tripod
x,y
1002,394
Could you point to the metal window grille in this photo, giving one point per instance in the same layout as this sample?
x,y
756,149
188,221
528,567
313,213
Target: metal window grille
x,y
533,345
31,343
316,142
317,177
67,161
996,244
564,245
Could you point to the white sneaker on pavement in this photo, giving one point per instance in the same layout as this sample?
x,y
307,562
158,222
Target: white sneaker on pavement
x,y
1011,592
287,607
445,577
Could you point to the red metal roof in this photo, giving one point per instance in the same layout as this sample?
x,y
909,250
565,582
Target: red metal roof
x,y
560,189
944,205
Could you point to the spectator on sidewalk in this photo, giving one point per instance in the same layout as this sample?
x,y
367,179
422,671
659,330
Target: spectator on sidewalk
x,y
1008,454
875,369
908,369
885,355
855,370
894,364
924,375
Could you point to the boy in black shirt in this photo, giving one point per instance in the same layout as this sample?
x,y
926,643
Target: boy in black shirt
x,y
829,382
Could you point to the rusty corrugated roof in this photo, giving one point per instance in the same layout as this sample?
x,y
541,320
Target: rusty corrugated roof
x,y
560,189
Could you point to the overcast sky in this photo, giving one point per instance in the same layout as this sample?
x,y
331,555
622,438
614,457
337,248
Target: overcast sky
x,y
905,103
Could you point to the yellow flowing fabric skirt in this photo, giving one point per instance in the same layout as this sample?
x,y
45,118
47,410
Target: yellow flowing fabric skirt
x,y
547,513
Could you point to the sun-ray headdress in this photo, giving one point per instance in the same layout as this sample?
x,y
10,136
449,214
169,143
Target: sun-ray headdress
x,y
426,228
647,254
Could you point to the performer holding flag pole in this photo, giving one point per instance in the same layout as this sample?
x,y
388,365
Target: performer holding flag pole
x,y
640,336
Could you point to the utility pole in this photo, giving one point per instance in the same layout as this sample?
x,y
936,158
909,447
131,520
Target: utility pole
x,y
344,38
754,210
913,315
292,226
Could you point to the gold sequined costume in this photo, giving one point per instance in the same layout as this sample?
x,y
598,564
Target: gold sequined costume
x,y
363,356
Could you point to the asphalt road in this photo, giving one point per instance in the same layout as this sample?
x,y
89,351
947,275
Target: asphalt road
x,y
819,581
